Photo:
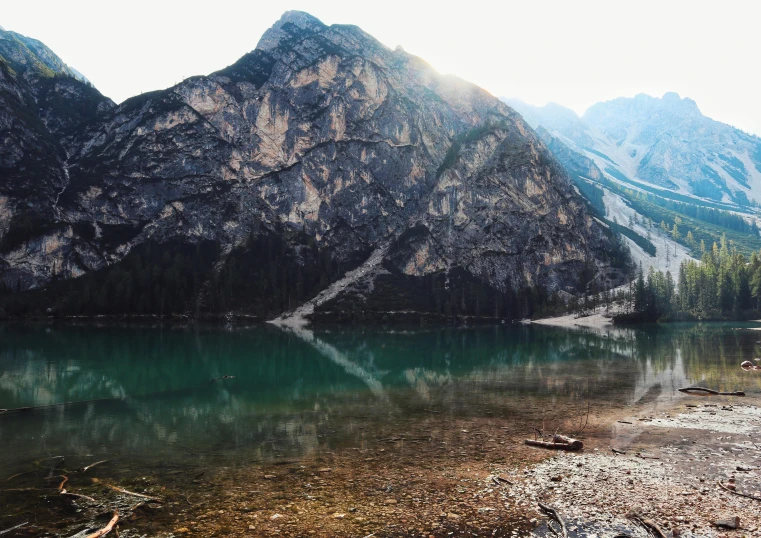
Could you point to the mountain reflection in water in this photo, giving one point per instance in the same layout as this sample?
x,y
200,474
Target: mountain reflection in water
x,y
158,392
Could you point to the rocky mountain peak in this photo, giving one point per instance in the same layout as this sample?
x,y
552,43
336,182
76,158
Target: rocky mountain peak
x,y
319,153
684,105
287,27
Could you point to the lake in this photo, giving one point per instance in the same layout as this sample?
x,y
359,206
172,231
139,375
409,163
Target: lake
x,y
166,401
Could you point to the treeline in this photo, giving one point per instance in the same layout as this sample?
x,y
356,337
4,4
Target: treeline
x,y
444,296
267,274
152,279
693,233
724,285
717,217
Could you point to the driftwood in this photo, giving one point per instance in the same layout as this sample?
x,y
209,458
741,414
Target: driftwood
x,y
6,531
712,392
651,527
559,442
108,528
554,516
738,493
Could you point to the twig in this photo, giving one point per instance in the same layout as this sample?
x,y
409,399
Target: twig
x,y
616,451
127,492
85,469
6,531
65,479
651,527
738,493
78,495
711,391
18,474
554,516
586,421
500,481
105,530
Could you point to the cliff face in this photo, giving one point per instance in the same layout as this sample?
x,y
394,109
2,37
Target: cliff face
x,y
323,139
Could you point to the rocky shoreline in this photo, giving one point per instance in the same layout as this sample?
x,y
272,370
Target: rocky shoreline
x,y
475,477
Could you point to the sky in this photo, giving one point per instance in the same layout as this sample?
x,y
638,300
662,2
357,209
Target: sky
x,y
574,53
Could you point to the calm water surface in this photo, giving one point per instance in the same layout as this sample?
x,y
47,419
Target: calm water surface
x,y
152,394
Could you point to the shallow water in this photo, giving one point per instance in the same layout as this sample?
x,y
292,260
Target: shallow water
x,y
157,396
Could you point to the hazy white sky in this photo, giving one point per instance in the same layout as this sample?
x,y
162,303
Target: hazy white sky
x,y
572,52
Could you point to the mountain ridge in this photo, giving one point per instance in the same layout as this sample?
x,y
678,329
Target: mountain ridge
x,y
294,164
664,142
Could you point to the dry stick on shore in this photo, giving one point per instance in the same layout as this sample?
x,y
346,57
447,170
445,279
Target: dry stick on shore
x,y
712,392
733,492
498,480
554,516
108,528
559,442
651,527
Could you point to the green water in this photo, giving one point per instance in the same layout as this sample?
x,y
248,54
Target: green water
x,y
152,393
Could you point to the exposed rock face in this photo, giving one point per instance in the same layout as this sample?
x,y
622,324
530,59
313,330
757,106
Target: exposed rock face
x,y
665,142
330,141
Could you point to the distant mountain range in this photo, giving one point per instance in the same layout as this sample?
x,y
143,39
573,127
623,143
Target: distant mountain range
x,y
660,142
320,168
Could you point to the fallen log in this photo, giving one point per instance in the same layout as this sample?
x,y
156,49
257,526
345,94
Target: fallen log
x,y
108,528
554,516
712,392
559,442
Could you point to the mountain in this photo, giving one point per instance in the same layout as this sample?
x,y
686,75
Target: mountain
x,y
29,57
322,166
664,143
671,180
